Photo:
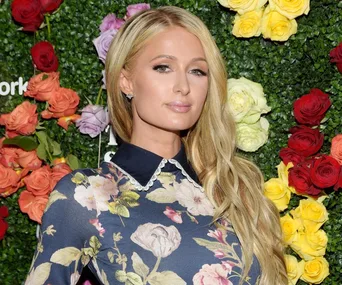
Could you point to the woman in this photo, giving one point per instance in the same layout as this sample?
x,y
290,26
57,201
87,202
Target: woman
x,y
175,205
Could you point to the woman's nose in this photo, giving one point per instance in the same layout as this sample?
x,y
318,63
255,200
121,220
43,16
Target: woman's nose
x,y
181,84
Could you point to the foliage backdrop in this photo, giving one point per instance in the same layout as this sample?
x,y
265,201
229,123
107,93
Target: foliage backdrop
x,y
285,70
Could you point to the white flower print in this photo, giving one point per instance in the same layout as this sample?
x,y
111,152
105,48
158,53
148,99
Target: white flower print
x,y
158,239
74,278
193,199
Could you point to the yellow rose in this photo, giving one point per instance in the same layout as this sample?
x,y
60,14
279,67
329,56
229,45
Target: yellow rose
x,y
311,213
248,24
283,174
315,270
289,228
291,9
242,6
277,27
294,268
310,245
278,193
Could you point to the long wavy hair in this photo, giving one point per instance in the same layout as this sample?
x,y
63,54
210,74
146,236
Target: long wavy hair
x,y
233,184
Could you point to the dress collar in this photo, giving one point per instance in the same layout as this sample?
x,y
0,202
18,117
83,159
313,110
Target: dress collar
x,y
143,165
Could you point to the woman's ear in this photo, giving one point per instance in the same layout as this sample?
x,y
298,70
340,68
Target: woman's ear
x,y
126,85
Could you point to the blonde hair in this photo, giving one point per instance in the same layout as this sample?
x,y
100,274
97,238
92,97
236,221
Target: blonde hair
x,y
232,183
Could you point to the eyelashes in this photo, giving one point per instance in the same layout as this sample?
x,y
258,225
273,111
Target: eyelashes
x,y
163,68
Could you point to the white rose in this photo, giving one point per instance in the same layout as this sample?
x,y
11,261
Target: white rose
x,y
246,100
250,137
158,239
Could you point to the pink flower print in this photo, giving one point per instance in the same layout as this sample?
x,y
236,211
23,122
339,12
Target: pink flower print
x,y
228,266
217,234
98,226
219,254
173,215
214,274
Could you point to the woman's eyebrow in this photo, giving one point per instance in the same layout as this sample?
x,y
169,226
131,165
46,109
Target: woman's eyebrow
x,y
175,58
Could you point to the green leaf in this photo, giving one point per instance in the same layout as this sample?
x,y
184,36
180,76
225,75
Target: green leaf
x,y
73,162
129,195
162,195
41,152
139,266
117,208
42,137
54,196
133,279
56,148
39,275
165,278
65,256
94,243
120,275
24,142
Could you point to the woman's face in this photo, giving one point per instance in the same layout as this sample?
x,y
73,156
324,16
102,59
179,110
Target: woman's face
x,y
169,82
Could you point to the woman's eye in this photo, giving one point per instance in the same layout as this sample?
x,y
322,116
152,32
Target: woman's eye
x,y
162,68
198,72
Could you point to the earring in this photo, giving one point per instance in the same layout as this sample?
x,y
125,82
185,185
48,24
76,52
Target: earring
x,y
129,96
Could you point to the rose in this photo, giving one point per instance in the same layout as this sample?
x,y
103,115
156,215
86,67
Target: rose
x,y
338,185
9,181
28,159
242,6
305,141
248,24
311,213
102,43
294,268
325,171
39,182
250,137
63,102
42,85
336,148
32,205
299,177
8,157
93,121
283,172
311,108
246,100
289,155
3,223
310,245
336,56
315,270
111,22
291,9
44,57
277,27
289,227
48,6
136,8
22,120
213,274
28,13
58,172
158,239
64,122
278,193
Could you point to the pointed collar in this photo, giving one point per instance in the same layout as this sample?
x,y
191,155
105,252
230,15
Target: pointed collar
x,y
143,165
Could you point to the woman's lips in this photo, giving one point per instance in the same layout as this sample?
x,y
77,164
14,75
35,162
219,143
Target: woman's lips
x,y
179,107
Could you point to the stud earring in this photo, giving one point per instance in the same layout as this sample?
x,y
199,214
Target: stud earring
x,y
129,96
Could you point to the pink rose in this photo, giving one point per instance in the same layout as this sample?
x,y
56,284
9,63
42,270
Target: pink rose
x,y
173,215
111,22
136,8
213,274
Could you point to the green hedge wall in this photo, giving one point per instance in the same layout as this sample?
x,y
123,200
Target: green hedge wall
x,y
285,70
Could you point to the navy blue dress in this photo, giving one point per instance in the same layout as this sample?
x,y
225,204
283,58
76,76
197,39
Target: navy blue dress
x,y
138,219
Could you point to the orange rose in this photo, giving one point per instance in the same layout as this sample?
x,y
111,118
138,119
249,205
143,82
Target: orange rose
x,y
22,120
8,157
336,148
63,102
42,85
64,122
28,159
59,171
39,182
34,206
9,181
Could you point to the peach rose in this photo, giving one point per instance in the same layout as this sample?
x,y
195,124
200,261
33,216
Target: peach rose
x,y
22,120
63,102
28,159
59,171
42,85
336,148
40,181
8,157
33,205
9,181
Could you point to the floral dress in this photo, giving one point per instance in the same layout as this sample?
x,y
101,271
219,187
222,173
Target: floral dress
x,y
138,219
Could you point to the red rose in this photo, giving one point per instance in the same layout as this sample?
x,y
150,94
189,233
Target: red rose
x,y
43,56
338,185
305,141
299,178
336,56
28,13
325,171
3,228
289,155
311,108
50,5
